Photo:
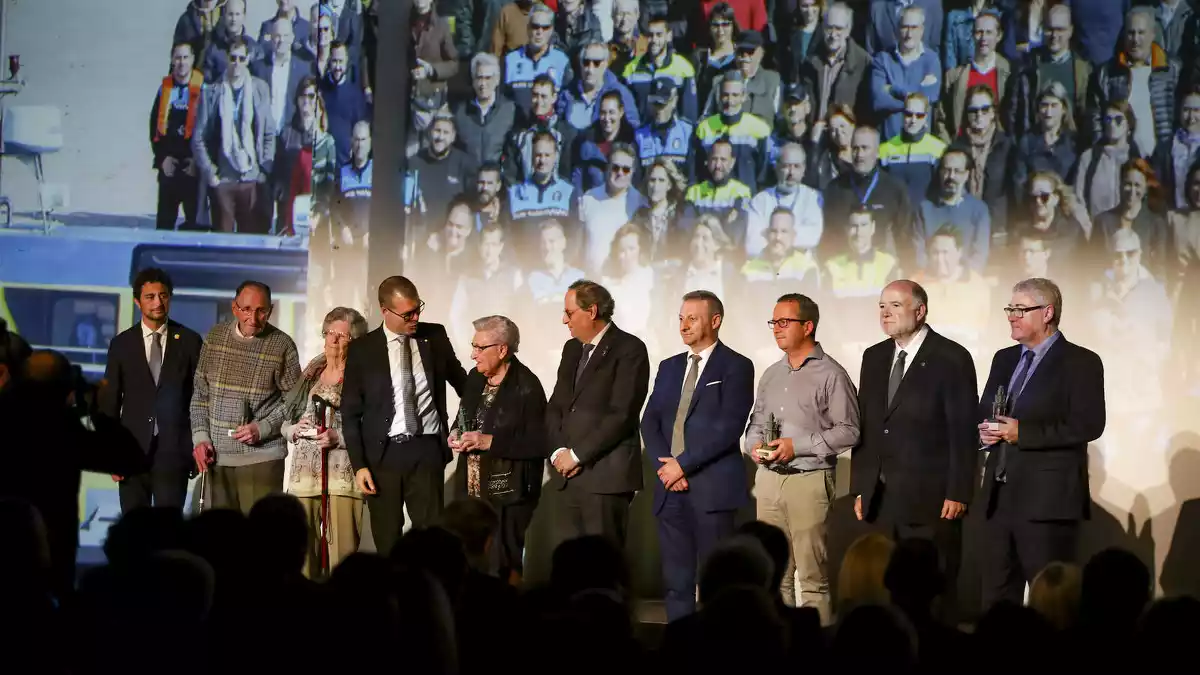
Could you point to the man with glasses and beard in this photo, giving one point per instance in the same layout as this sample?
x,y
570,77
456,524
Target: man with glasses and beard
x,y
954,207
394,413
345,103
234,143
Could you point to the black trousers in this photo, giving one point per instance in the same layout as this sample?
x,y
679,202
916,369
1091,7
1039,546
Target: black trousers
x,y
180,190
585,513
162,483
413,476
946,536
1015,550
508,548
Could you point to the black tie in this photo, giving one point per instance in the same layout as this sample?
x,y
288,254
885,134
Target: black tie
x,y
583,361
1017,387
896,376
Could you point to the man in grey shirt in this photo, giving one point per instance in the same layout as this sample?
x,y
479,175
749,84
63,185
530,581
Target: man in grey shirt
x,y
814,406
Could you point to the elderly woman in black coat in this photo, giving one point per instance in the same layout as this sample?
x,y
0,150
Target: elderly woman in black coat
x,y
500,438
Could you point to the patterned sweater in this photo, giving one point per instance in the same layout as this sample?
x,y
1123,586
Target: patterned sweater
x,y
235,372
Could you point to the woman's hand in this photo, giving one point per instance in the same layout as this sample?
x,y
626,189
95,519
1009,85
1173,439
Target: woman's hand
x,y
452,439
474,441
303,425
329,439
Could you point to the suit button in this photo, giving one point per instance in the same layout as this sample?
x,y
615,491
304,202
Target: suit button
x,y
572,408
885,431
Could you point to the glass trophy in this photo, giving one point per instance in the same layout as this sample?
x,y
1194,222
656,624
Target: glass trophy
x,y
999,408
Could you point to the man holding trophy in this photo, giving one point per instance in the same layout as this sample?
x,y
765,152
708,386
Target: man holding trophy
x,y
1035,485
805,415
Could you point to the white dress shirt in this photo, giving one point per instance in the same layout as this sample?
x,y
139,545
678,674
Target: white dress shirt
x,y
429,422
704,355
147,339
281,72
911,350
595,342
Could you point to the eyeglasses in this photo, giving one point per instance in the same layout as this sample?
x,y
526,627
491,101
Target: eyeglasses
x,y
1114,119
409,315
621,169
785,322
239,58
593,63
1019,312
540,26
979,109
260,312
337,337
1042,197
914,114
475,349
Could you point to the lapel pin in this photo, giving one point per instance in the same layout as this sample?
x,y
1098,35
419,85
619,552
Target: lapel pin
x,y
177,336
922,364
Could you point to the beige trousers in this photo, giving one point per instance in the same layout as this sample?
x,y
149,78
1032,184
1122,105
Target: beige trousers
x,y
345,524
798,505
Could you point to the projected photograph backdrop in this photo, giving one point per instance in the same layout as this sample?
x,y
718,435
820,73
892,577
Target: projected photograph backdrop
x,y
578,162
100,180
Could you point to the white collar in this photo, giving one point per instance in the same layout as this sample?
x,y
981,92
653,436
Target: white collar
x,y
147,332
705,353
914,345
389,334
600,336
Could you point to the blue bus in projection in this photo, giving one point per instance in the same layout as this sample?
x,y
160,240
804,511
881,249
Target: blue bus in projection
x,y
68,288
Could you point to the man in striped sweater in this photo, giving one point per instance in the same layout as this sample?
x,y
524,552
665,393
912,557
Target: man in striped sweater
x,y
246,366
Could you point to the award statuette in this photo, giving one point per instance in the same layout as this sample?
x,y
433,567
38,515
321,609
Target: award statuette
x,y
999,408
464,424
771,432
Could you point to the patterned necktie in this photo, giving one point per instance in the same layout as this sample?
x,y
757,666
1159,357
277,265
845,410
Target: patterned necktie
x,y
1018,386
583,361
896,376
156,356
685,402
408,387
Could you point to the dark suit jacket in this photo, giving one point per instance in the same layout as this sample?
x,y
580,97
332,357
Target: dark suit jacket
x,y
1059,412
712,432
132,397
599,421
367,394
925,443
298,69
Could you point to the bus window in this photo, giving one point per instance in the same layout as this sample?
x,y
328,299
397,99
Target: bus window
x,y
79,324
223,268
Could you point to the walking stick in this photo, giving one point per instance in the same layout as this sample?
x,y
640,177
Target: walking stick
x,y
322,407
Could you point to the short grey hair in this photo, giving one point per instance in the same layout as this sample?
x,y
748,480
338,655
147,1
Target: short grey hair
x,y
794,147
1046,292
913,9
503,328
840,6
483,59
1143,11
594,44
626,5
358,324
540,8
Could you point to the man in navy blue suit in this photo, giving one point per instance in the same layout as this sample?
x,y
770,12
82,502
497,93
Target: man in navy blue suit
x,y
692,427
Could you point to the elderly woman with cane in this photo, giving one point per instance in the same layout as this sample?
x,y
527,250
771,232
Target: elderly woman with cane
x,y
320,474
500,438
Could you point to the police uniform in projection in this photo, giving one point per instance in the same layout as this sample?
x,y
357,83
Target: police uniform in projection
x,y
641,73
529,204
749,136
354,197
521,69
672,140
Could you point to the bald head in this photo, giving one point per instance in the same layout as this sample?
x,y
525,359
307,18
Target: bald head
x,y
864,149
49,373
903,307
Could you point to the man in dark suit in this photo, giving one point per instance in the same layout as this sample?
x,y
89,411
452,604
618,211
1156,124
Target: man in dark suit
x,y
592,417
693,428
1035,484
149,376
282,70
913,469
394,413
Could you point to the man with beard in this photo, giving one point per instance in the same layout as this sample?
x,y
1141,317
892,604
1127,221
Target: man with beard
x,y
949,283
523,65
860,267
355,178
172,122
443,170
345,103
721,195
781,262
489,207
789,193
661,62
913,472
954,207
148,375
747,133
518,157
666,135
912,155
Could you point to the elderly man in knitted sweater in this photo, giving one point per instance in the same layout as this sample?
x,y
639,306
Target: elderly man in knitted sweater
x,y
246,366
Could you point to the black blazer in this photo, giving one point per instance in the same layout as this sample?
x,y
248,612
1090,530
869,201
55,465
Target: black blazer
x,y
1059,412
517,423
367,393
925,443
132,397
599,421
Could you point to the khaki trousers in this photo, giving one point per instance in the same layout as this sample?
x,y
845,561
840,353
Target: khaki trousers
x,y
239,487
798,505
345,524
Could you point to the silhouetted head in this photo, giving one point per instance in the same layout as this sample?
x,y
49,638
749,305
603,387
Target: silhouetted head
x,y
589,563
1116,589
738,561
914,576
875,639
774,542
280,529
142,532
437,551
474,522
